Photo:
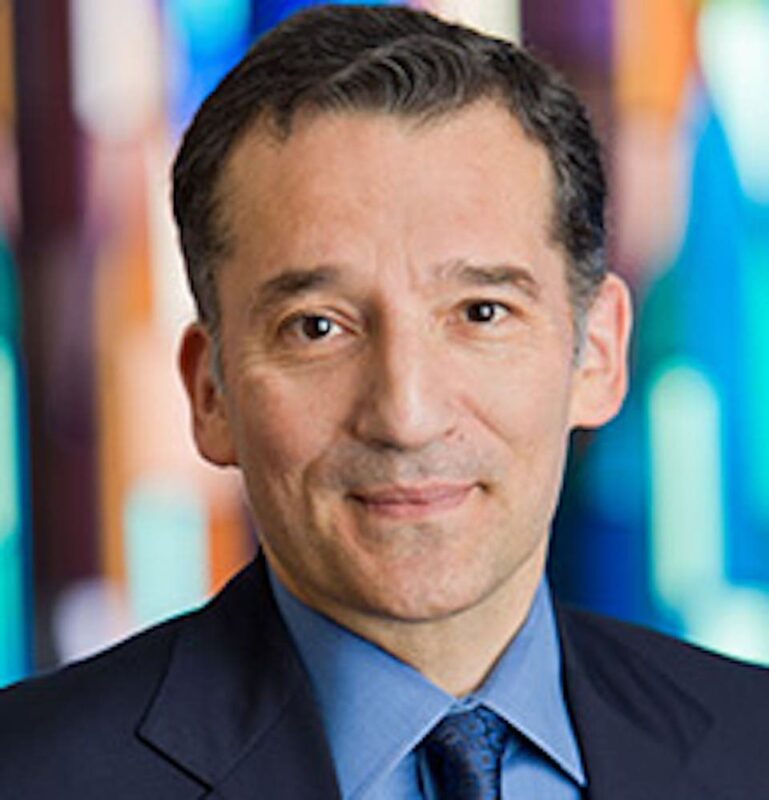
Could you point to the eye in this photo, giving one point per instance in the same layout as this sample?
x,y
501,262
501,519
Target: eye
x,y
308,328
314,327
485,311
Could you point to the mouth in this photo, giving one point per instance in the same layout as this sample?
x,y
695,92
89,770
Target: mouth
x,y
412,502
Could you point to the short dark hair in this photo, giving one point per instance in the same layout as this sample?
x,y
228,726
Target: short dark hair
x,y
393,60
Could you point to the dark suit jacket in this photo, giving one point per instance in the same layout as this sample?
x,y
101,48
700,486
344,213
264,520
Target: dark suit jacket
x,y
216,704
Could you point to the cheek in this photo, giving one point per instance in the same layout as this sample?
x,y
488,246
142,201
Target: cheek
x,y
521,404
525,428
283,426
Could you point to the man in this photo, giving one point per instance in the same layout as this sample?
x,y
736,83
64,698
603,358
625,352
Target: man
x,y
393,229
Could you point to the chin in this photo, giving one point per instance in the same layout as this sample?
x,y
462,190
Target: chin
x,y
418,598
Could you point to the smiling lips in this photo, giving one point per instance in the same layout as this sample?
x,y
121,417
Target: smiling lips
x,y
413,502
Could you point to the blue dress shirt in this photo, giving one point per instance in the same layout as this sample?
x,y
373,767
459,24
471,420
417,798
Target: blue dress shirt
x,y
377,710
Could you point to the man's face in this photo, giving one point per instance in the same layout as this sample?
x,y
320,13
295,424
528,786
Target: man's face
x,y
399,379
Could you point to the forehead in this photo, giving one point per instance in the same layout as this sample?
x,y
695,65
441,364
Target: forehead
x,y
368,185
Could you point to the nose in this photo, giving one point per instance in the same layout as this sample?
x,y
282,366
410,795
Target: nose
x,y
405,401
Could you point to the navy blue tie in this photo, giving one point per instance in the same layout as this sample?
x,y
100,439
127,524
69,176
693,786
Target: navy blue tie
x,y
464,753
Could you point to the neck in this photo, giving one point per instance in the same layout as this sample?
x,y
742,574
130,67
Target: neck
x,y
455,652
458,653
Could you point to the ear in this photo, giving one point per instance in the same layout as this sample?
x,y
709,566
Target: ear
x,y
601,373
210,421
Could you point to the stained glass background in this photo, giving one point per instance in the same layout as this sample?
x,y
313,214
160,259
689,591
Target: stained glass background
x,y
108,519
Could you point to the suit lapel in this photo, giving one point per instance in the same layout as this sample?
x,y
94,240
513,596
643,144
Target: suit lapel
x,y
290,761
637,728
235,708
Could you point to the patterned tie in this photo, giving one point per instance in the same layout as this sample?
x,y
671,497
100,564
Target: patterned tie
x,y
464,753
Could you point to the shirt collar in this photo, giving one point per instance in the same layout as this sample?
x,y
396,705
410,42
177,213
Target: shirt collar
x,y
525,688
370,699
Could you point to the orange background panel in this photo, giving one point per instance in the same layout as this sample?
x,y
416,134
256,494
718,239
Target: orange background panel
x,y
655,54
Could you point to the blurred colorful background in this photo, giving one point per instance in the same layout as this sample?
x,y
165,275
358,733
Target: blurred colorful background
x,y
108,519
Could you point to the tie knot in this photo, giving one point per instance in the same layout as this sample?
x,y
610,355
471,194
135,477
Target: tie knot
x,y
464,753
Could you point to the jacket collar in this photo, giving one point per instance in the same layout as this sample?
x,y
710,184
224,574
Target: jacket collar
x,y
235,708
640,731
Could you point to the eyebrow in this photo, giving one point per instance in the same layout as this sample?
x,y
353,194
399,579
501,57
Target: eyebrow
x,y
292,283
297,282
481,275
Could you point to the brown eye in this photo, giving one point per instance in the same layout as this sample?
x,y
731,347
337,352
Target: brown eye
x,y
314,327
484,311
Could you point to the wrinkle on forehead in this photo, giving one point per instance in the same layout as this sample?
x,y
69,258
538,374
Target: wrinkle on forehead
x,y
352,198
310,158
